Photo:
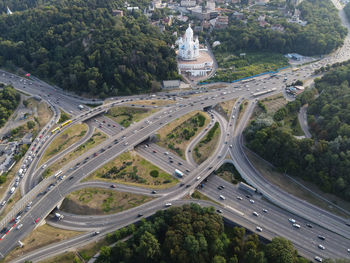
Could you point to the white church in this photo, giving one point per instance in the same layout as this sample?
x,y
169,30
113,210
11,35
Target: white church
x,y
193,61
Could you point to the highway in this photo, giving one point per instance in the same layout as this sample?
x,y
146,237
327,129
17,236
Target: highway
x,y
120,140
302,117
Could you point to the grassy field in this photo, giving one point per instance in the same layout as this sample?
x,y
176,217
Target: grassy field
x,y
293,188
198,195
274,103
242,107
92,249
64,140
229,173
40,237
154,102
67,257
232,66
178,134
98,201
95,140
207,145
128,115
44,114
130,168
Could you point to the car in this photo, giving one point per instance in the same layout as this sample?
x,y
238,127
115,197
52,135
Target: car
x,y
96,233
321,247
139,215
219,211
113,186
230,146
239,198
265,210
168,204
179,163
318,259
198,178
292,220
219,187
248,196
70,178
188,185
37,220
182,184
222,197
251,201
3,203
19,226
255,213
296,226
171,161
258,228
154,192
154,151
188,171
309,225
348,250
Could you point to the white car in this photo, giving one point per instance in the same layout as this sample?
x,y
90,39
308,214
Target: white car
x,y
239,198
296,226
265,210
3,203
222,197
317,258
198,178
258,228
168,204
291,220
19,226
255,213
321,247
251,201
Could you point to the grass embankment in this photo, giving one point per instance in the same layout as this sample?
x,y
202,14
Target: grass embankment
x,y
94,140
233,66
198,195
207,145
242,107
226,107
98,201
270,105
229,173
125,116
178,134
64,140
40,237
11,203
130,168
154,102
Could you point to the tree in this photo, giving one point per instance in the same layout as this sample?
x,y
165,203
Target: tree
x,y
149,248
280,250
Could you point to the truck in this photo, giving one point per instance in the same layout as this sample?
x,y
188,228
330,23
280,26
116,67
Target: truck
x,y
178,173
80,107
58,173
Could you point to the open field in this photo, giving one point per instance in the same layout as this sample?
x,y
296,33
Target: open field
x,y
154,102
95,140
125,116
275,102
178,134
63,141
207,145
198,195
242,107
233,66
67,257
99,201
130,168
40,237
288,185
92,249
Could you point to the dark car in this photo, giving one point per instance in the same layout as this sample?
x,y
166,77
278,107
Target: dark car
x,y
139,215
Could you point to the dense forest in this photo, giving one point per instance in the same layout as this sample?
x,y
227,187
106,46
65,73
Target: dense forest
x,y
194,234
9,100
322,34
324,160
81,46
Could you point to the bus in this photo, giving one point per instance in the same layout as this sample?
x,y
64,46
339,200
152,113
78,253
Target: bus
x,y
179,173
55,130
66,123
295,69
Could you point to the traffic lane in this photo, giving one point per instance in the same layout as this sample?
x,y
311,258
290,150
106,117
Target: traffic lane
x,y
105,124
275,220
231,192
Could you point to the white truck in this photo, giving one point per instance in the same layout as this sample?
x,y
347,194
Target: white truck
x,y
59,216
179,173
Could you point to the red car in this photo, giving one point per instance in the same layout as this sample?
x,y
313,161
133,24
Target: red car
x,y
37,220
154,151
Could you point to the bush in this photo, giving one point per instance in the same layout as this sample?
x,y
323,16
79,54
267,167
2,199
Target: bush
x,y
154,173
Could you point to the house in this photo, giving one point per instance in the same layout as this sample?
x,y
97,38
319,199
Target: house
x,y
188,3
171,84
221,22
277,27
116,12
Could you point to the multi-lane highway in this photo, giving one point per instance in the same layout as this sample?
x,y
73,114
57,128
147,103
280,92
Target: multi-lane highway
x,y
272,222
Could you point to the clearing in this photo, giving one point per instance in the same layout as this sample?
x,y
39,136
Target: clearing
x,y
63,141
40,237
207,145
229,173
125,116
130,168
225,107
153,102
99,201
178,134
93,141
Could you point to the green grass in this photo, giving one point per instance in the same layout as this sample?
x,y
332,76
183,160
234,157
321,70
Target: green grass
x,y
130,168
232,66
229,173
125,116
198,195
